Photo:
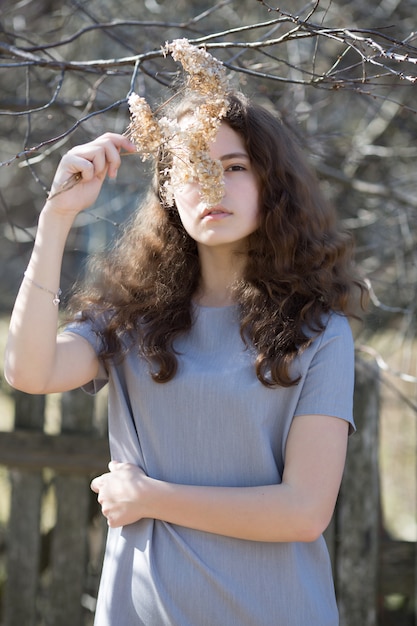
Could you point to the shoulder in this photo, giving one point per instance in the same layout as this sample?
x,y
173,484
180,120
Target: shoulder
x,y
336,339
333,325
337,325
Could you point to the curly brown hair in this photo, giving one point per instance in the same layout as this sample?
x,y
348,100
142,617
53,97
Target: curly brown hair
x,y
298,268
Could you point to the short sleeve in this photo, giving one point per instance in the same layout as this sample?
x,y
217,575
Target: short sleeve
x,y
329,380
85,329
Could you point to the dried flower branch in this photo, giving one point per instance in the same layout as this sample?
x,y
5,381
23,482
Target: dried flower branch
x,y
186,141
144,129
206,75
73,180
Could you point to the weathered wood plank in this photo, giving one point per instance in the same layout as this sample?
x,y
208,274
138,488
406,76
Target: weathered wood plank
x,y
23,546
70,534
31,450
358,510
69,551
398,574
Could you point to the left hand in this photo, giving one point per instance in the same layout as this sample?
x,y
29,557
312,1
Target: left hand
x,y
119,493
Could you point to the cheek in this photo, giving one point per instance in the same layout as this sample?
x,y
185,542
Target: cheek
x,y
255,213
184,206
254,200
185,195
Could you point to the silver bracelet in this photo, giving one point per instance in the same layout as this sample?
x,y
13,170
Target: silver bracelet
x,y
56,296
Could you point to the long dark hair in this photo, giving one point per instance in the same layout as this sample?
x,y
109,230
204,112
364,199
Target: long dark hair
x,y
298,268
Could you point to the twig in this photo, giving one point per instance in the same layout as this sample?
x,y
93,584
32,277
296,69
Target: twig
x,y
47,142
73,180
384,366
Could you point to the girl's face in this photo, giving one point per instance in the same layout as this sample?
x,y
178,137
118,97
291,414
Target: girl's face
x,y
231,221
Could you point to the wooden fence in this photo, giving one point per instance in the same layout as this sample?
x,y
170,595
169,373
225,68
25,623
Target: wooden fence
x,y
52,575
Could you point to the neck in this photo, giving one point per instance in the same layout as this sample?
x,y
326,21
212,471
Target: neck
x,y
219,272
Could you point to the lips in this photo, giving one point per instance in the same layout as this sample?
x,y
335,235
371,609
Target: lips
x,y
213,211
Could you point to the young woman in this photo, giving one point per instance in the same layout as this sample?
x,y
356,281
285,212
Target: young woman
x,y
222,332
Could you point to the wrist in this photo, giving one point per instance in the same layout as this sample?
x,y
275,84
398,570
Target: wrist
x,y
53,228
153,498
51,214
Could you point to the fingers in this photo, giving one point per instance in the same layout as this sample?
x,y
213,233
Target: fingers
x,y
115,465
112,507
85,168
99,157
96,484
118,493
78,165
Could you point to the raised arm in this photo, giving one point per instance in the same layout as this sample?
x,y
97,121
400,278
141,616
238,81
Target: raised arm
x,y
36,360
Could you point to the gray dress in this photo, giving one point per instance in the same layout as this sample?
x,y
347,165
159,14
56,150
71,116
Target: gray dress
x,y
216,424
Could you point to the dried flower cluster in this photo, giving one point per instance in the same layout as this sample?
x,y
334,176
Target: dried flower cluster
x,y
144,128
206,75
186,140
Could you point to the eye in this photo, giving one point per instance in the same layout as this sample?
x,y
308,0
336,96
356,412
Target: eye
x,y
237,167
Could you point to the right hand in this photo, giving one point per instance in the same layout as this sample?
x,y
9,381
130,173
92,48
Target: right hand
x,y
92,161
121,493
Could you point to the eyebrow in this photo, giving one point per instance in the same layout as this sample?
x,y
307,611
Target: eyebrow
x,y
234,155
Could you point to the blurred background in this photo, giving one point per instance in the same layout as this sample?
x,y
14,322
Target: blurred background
x,y
343,74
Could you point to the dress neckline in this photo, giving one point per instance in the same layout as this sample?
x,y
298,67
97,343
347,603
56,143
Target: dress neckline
x,y
224,307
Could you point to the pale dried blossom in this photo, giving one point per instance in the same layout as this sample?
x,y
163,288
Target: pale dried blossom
x,y
206,75
186,140
143,129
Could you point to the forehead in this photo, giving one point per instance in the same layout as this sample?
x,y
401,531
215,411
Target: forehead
x,y
227,141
